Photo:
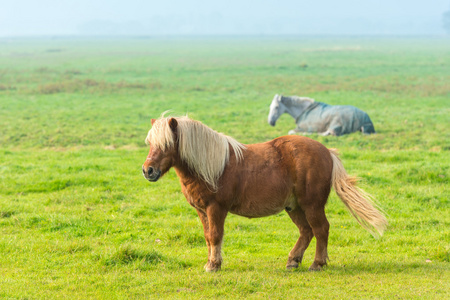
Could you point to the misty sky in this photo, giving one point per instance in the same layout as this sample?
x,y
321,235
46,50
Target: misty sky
x,y
231,17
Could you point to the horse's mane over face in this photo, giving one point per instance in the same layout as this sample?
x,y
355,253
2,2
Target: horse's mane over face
x,y
205,151
160,135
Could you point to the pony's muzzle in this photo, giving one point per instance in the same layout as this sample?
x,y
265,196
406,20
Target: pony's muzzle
x,y
151,174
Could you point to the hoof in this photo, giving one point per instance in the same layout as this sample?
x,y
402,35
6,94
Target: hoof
x,y
210,267
291,264
291,267
315,267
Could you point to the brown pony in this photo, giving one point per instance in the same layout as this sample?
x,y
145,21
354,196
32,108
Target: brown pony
x,y
220,175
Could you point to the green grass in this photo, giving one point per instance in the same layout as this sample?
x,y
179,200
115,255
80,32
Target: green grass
x,y
78,220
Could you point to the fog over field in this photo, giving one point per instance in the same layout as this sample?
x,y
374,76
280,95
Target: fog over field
x,y
233,17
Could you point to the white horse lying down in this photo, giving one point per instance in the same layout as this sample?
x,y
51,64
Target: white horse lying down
x,y
312,116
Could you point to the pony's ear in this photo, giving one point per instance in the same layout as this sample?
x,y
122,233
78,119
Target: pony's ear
x,y
173,124
153,121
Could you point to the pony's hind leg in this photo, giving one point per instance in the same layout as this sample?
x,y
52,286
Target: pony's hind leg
x,y
320,227
306,234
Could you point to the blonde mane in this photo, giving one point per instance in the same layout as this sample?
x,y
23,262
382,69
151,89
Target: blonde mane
x,y
205,151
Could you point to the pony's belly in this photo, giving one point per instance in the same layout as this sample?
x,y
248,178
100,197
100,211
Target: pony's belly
x,y
263,208
256,214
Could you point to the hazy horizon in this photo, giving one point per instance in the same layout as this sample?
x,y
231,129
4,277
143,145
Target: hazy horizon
x,y
200,17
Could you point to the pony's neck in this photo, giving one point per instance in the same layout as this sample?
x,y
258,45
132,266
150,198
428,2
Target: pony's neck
x,y
185,175
191,183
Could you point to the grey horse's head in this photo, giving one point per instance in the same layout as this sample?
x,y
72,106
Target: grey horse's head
x,y
276,110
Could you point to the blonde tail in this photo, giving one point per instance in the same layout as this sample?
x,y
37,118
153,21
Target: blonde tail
x,y
358,202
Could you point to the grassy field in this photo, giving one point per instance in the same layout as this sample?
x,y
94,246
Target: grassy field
x,y
78,220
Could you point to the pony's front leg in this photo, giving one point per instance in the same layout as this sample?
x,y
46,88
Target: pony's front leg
x,y
216,219
204,218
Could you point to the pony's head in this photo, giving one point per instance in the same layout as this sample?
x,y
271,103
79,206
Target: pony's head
x,y
162,139
277,108
182,142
